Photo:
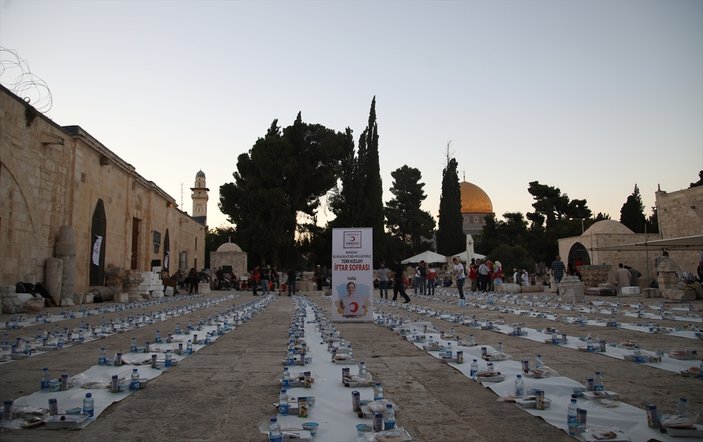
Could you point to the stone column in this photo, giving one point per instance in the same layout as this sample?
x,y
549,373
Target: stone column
x,y
65,249
53,278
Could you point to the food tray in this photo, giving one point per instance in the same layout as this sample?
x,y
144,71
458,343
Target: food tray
x,y
69,421
593,395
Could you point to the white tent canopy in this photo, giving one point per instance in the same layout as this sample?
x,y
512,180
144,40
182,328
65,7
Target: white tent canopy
x,y
428,256
465,256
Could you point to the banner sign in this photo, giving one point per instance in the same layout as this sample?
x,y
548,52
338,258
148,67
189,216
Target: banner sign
x,y
352,274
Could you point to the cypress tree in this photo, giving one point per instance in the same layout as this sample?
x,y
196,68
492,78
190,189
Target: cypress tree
x,y
450,233
372,209
632,212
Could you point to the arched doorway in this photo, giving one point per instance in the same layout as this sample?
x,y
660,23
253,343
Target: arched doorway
x,y
578,253
97,234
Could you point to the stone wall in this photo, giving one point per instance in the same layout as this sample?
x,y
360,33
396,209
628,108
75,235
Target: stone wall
x,y
681,214
53,176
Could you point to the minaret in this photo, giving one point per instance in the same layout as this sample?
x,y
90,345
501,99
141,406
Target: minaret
x,y
200,198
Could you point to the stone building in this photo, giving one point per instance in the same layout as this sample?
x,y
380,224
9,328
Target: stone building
x,y
229,256
59,179
680,216
475,205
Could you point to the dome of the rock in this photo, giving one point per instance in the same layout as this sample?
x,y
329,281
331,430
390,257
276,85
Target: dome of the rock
x,y
474,199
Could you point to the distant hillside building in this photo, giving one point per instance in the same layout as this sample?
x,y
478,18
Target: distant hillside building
x,y
475,205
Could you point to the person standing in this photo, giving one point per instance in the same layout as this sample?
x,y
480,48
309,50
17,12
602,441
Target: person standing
x,y
460,275
265,278
623,277
318,277
398,283
291,281
558,271
473,275
431,281
383,280
255,277
634,276
192,281
483,276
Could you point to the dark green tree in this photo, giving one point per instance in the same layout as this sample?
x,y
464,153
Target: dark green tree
x,y
405,220
653,222
450,233
555,216
601,217
347,196
632,212
554,206
372,196
284,174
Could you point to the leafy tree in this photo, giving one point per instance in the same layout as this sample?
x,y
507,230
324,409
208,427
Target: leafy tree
x,y
450,233
512,257
357,200
601,217
562,217
284,174
404,218
632,212
653,222
554,205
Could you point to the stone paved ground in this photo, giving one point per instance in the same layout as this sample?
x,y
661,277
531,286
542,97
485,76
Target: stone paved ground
x,y
227,388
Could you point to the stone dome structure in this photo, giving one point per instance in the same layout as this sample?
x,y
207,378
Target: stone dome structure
x,y
230,258
229,247
475,205
200,174
474,199
608,227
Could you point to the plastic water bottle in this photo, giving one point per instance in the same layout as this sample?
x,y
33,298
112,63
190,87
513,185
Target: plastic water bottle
x,y
682,407
500,347
133,345
168,361
598,382
275,434
539,362
285,378
589,343
389,418
89,405
134,384
283,402
472,341
45,379
519,386
157,337
362,369
473,372
189,348
377,391
102,358
572,418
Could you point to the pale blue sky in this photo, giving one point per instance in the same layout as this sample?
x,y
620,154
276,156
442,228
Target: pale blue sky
x,y
590,96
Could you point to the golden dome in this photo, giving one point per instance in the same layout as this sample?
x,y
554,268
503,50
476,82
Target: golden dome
x,y
474,199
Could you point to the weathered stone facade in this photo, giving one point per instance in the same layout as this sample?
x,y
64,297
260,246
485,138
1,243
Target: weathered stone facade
x,y
680,213
53,176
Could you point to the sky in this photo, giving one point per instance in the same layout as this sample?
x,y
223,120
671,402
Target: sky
x,y
592,97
